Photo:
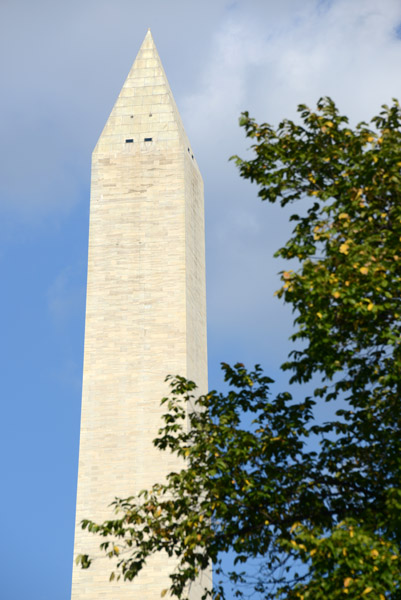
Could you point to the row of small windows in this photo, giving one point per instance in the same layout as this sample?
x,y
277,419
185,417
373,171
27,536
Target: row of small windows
x,y
131,141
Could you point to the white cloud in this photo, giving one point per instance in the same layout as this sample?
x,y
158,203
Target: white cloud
x,y
268,60
68,61
64,63
62,67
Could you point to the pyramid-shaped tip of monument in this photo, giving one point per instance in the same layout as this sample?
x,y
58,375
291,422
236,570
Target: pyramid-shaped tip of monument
x,y
148,41
145,108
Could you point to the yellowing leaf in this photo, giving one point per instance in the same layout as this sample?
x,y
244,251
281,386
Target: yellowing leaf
x,y
374,554
343,216
116,549
344,248
319,315
336,294
312,552
347,581
164,592
367,590
364,270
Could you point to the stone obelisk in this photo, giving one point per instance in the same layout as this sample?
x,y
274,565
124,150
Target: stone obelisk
x,y
145,309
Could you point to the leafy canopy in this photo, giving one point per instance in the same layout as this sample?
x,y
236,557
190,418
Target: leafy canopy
x,y
324,523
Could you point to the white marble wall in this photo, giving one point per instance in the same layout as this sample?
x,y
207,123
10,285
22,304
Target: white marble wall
x,y
146,310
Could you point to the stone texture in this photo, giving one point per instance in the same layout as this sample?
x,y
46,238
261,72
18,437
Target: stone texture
x,y
145,313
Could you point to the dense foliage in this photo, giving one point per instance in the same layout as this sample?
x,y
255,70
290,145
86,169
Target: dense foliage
x,y
324,523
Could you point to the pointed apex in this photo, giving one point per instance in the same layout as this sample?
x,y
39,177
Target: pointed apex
x,y
145,108
148,42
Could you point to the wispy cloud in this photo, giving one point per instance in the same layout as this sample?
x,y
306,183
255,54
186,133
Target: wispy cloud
x,y
267,61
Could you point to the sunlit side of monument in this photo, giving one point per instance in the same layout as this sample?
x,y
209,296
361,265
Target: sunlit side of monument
x,y
145,312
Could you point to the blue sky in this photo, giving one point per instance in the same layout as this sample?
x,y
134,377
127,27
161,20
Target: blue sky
x,y
62,67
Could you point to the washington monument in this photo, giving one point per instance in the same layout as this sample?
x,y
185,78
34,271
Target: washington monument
x,y
145,309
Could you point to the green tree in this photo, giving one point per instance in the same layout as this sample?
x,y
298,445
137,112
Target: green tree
x,y
322,523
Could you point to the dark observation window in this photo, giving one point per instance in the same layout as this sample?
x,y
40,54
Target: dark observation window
x,y
130,141
147,139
